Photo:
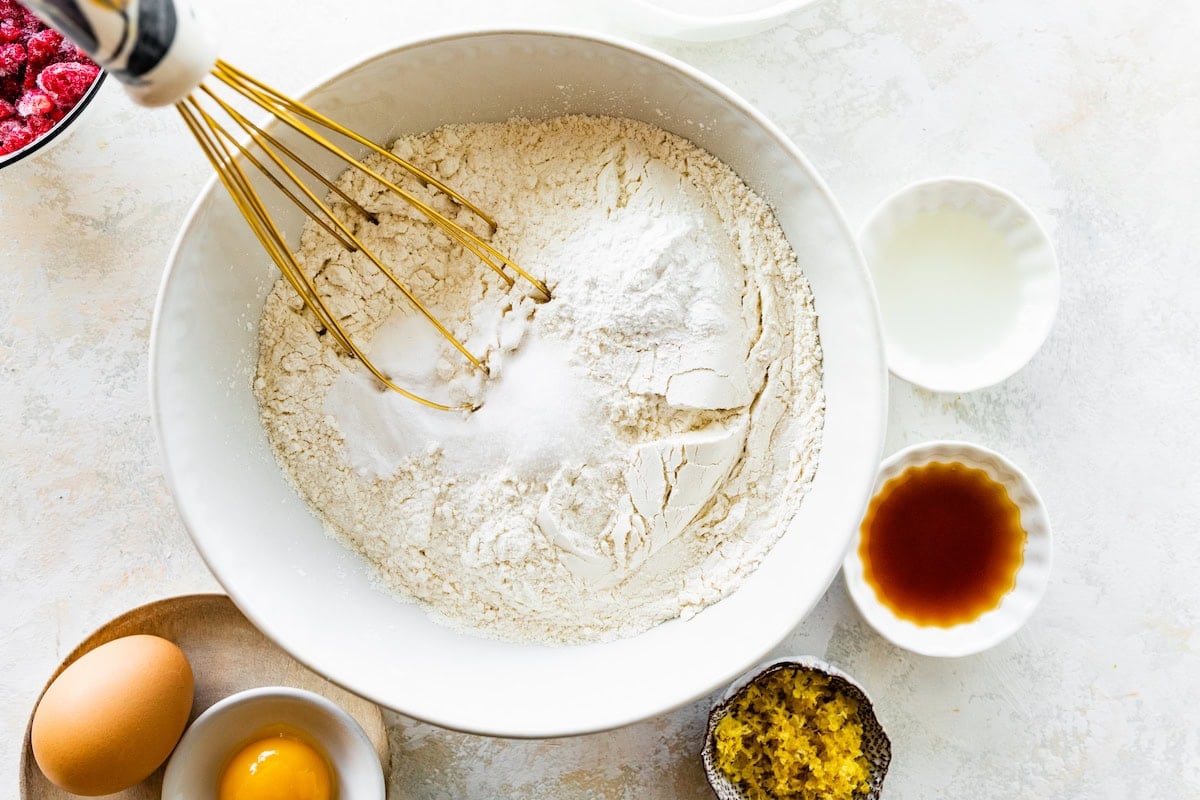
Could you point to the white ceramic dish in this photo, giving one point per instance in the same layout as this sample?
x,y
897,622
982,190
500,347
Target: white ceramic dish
x,y
61,130
194,770
877,747
1015,608
957,321
316,598
704,21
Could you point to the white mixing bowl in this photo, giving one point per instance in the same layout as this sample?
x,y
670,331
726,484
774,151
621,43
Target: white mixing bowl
x,y
316,598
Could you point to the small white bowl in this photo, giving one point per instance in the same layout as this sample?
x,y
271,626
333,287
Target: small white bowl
x,y
1015,608
61,130
967,281
194,770
702,22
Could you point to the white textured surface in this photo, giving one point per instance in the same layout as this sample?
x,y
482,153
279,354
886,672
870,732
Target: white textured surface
x,y
1087,111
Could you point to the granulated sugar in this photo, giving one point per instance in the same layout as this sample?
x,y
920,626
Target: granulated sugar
x,y
642,439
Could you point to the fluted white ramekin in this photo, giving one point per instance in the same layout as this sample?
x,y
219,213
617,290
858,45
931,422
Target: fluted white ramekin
x,y
1015,608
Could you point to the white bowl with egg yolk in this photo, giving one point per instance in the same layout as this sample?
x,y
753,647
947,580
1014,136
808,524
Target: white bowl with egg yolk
x,y
204,753
322,602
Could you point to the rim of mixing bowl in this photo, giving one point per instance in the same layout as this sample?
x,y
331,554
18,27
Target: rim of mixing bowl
x,y
693,26
803,602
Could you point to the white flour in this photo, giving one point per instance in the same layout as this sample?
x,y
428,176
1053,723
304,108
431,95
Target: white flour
x,y
643,438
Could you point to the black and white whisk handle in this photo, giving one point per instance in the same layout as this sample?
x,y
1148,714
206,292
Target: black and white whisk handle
x,y
156,48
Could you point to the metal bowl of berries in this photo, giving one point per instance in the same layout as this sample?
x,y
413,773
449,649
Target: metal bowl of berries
x,y
45,83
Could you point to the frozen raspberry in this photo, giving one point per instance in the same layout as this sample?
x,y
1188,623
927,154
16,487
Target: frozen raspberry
x,y
11,11
30,23
67,51
13,136
6,109
12,58
35,102
43,46
39,124
9,32
66,82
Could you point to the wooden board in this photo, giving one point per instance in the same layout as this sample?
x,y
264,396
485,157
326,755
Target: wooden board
x,y
227,654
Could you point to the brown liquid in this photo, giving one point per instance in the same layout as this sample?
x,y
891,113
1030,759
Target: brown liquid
x,y
941,544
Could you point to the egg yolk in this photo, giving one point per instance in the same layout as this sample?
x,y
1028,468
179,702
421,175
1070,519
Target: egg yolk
x,y
276,768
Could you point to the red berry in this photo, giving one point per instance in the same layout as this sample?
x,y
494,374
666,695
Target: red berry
x,y
9,32
67,51
66,82
39,124
42,46
6,109
35,102
14,136
30,22
11,12
12,58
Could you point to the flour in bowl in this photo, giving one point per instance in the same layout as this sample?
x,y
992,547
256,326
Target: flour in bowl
x,y
642,439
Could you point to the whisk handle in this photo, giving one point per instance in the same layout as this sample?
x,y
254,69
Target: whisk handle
x,y
156,48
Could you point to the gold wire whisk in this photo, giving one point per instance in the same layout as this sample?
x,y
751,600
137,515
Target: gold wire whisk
x,y
223,149
160,51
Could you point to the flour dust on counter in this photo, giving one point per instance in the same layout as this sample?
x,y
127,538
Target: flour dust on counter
x,y
639,441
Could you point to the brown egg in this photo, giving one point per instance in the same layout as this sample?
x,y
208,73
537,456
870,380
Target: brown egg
x,y
113,716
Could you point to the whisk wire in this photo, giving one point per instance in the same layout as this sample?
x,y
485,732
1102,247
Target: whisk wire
x,y
257,133
319,118
286,110
465,237
227,153
246,154
351,241
246,198
250,204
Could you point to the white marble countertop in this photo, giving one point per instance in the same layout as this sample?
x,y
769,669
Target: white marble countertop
x,y
1087,110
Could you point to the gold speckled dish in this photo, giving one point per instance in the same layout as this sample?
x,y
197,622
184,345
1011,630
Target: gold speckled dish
x,y
877,747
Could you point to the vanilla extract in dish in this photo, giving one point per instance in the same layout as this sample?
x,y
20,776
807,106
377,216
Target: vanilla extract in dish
x,y
941,544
